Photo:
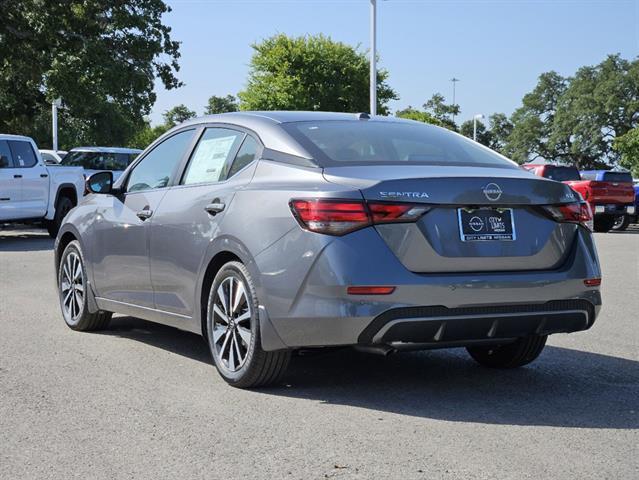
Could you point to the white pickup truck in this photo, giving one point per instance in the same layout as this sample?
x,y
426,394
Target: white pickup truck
x,y
30,191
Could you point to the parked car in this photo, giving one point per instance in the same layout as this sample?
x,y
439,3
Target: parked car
x,y
52,157
30,191
609,193
270,232
96,159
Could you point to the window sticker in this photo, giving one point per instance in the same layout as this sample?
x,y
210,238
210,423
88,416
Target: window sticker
x,y
209,159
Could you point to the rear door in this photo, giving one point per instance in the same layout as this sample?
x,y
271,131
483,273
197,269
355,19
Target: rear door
x,y
10,184
34,176
191,213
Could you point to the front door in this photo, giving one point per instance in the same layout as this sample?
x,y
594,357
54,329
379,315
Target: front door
x,y
121,235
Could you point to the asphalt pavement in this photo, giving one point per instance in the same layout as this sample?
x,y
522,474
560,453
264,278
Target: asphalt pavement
x,y
143,401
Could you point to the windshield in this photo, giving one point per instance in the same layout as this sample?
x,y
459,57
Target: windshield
x,y
562,174
98,160
341,143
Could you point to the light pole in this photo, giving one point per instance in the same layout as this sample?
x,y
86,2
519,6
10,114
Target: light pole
x,y
54,122
373,79
479,116
454,80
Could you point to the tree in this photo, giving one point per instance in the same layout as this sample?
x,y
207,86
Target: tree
x,y
500,130
176,115
311,73
414,114
627,147
437,107
533,121
147,135
484,135
100,56
221,105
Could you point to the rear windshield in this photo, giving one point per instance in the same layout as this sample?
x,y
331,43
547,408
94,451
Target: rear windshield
x,y
341,143
618,177
562,174
98,160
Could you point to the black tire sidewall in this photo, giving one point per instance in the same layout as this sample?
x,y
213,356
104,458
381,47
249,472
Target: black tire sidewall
x,y
239,271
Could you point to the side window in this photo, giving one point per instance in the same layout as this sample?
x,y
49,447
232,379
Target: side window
x,y
244,156
5,155
210,158
23,155
156,168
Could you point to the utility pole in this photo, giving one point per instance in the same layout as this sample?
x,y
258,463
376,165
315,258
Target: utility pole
x,y
54,122
373,79
454,80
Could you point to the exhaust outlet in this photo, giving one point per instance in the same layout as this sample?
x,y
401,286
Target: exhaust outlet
x,y
381,349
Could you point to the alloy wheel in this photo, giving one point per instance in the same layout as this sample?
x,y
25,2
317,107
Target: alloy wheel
x,y
72,286
231,323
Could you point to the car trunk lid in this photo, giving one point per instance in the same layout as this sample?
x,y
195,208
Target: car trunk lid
x,y
443,239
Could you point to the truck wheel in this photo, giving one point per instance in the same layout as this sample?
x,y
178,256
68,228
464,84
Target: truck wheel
x,y
512,355
621,223
73,290
233,332
603,223
63,207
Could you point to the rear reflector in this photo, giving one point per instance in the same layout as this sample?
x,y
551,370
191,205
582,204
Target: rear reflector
x,y
370,290
592,282
338,217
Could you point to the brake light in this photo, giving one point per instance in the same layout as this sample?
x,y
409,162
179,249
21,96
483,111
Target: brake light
x,y
338,217
572,213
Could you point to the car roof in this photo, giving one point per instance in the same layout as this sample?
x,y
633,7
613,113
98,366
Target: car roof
x,y
105,149
7,136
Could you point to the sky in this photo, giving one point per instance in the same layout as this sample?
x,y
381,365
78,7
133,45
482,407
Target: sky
x,y
497,48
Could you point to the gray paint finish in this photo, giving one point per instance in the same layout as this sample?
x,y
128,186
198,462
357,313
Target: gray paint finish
x,y
155,268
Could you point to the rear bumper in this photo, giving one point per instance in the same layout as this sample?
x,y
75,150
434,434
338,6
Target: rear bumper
x,y
305,276
436,327
614,209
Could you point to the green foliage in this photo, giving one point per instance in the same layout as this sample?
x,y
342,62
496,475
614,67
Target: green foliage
x,y
176,115
221,105
311,73
414,114
147,135
100,56
627,147
484,135
443,112
576,120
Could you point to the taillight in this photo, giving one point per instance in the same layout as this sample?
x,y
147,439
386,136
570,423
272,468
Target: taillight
x,y
338,217
572,213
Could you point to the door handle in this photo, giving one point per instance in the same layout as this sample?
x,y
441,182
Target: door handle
x,y
215,208
43,175
144,214
17,176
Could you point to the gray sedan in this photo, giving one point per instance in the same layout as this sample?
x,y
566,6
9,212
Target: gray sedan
x,y
271,232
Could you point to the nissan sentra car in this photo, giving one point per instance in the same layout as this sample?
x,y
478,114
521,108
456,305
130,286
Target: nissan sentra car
x,y
271,232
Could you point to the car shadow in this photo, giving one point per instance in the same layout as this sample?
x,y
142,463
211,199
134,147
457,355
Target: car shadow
x,y
25,240
564,387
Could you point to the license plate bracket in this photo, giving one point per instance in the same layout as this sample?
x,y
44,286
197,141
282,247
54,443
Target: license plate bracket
x,y
486,224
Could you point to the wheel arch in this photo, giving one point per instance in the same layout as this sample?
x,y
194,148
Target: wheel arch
x,y
66,190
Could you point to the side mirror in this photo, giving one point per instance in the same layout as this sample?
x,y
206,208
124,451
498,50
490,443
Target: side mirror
x,y
101,182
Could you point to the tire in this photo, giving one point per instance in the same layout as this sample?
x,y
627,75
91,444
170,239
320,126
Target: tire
x,y
621,223
62,207
512,355
603,223
234,340
73,290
